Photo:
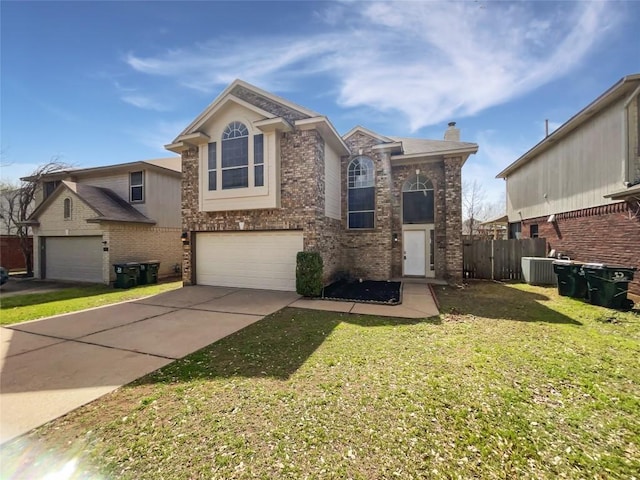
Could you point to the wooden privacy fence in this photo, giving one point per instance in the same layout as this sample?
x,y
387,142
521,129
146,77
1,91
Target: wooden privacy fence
x,y
499,259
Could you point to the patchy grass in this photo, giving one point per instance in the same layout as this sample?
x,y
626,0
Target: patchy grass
x,y
513,382
20,308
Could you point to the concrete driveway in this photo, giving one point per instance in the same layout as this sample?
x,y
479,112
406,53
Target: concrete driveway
x,y
52,366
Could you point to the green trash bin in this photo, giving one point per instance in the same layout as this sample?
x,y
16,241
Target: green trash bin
x,y
149,272
608,285
571,279
126,274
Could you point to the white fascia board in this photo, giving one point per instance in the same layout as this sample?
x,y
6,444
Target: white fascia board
x,y
273,124
223,101
433,157
387,146
226,94
630,192
176,147
440,153
274,98
211,110
366,131
197,138
328,133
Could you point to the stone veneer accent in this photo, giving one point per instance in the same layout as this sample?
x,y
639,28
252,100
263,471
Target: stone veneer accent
x,y
604,234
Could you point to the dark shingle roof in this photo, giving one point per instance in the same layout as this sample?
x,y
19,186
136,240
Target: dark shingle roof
x,y
107,204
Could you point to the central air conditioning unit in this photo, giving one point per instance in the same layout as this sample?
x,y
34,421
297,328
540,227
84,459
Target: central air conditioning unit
x,y
538,271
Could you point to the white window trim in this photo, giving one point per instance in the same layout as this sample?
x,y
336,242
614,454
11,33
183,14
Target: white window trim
x,y
370,179
131,186
64,209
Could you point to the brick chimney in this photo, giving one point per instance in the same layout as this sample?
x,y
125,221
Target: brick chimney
x,y
452,133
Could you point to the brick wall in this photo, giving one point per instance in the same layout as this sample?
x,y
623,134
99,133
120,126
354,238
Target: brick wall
x,y
435,173
368,253
453,220
302,202
135,243
605,234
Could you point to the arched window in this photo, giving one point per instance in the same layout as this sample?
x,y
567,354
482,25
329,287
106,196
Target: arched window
x,y
417,200
67,208
235,156
361,201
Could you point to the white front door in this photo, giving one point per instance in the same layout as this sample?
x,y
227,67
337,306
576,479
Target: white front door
x,y
414,243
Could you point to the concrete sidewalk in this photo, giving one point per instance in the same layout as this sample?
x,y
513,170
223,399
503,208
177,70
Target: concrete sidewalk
x,y
417,302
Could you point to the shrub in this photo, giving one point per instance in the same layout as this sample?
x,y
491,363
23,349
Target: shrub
x,y
309,274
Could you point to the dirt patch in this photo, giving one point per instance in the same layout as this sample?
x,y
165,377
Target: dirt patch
x,y
369,291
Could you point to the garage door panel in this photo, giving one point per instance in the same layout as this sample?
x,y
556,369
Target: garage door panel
x,y
250,259
74,258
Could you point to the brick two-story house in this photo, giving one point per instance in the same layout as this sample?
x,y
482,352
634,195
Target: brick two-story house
x,y
88,219
264,178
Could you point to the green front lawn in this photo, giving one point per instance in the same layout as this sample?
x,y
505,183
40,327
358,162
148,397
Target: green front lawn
x,y
512,382
20,308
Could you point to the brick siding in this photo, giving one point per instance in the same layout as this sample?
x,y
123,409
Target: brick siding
x,y
605,234
138,243
370,253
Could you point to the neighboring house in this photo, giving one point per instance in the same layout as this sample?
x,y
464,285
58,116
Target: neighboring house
x,y
580,187
264,178
88,219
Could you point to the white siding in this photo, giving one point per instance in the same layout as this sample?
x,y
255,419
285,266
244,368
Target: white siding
x,y
575,172
162,194
332,183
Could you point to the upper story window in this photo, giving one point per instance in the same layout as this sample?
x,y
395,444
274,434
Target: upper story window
x,y
361,198
241,164
67,208
235,156
136,187
49,187
417,201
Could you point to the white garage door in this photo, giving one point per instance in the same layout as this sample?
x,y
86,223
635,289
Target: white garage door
x,y
248,259
73,258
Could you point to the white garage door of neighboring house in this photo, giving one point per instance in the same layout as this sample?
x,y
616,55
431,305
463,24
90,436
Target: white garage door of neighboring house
x,y
248,259
73,258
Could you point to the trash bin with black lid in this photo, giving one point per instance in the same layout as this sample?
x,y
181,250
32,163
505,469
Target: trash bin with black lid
x,y
126,274
609,284
149,272
571,280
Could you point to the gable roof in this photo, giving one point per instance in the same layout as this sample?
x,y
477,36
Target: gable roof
x,y
366,131
253,97
107,205
414,146
168,165
630,83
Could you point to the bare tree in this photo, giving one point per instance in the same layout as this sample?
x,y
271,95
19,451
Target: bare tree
x,y
473,206
9,199
20,202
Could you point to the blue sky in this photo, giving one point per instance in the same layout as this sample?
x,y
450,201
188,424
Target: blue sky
x,y
98,83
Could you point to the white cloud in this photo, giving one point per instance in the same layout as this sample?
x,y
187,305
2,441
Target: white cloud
x,y
492,158
159,134
431,61
144,102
